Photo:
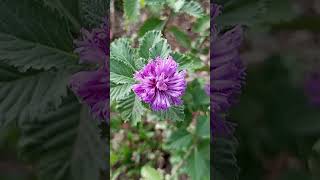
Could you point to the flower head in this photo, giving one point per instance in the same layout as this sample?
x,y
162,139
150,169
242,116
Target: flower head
x,y
160,83
226,71
93,47
92,86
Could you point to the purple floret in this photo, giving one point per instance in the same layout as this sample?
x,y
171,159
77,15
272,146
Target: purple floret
x,y
160,84
227,73
92,87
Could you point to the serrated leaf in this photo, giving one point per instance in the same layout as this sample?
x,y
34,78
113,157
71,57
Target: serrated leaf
x,y
131,10
181,37
203,127
149,40
174,113
119,91
66,10
25,43
151,24
23,98
93,12
140,63
176,5
223,159
120,68
26,54
192,8
155,6
180,140
63,144
197,168
121,50
149,173
161,49
120,79
186,61
131,108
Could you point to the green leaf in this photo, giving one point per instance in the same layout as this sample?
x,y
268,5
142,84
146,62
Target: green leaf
x,y
203,127
93,12
119,91
224,160
181,37
278,11
197,168
174,113
151,24
121,50
131,108
63,144
153,45
257,14
25,97
27,54
148,41
25,43
131,10
245,14
155,2
202,24
176,5
120,79
155,6
161,49
186,61
149,173
192,8
65,9
180,140
196,98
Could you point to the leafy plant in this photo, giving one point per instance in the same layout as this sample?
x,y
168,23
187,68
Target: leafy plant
x,y
57,135
182,134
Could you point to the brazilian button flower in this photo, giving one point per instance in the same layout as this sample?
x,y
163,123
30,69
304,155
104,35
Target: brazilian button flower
x,y
227,72
92,86
160,84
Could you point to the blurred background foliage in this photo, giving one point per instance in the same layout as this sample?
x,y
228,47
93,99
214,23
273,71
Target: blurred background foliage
x,y
278,129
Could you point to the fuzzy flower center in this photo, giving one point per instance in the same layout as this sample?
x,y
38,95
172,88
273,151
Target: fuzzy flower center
x,y
162,86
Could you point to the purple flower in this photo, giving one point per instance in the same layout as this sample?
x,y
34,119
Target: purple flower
x,y
92,87
160,84
93,47
226,71
312,88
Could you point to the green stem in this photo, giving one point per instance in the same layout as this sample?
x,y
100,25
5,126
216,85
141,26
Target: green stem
x,y
175,169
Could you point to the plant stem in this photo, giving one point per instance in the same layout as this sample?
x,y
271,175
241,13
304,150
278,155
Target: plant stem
x,y
175,169
167,22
